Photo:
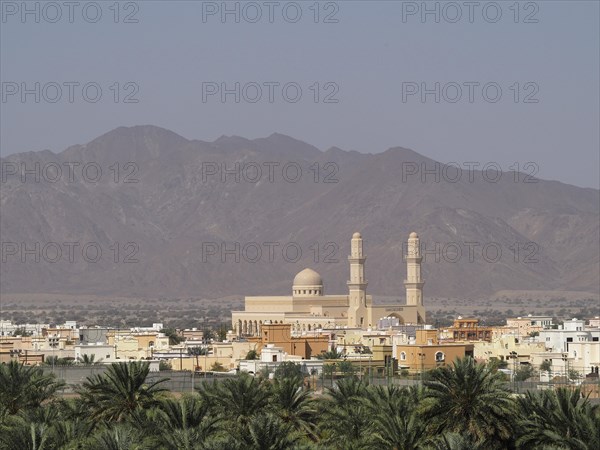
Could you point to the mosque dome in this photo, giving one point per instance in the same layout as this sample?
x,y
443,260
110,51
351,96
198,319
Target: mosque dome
x,y
308,277
413,235
307,283
356,235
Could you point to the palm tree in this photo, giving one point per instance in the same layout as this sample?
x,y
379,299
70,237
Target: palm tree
x,y
198,351
269,431
119,437
329,354
294,405
121,390
24,387
397,421
56,361
236,402
344,419
184,424
73,433
558,419
455,441
40,428
470,399
89,360
174,337
348,391
236,399
18,433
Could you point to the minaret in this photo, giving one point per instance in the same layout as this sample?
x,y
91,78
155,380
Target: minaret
x,y
413,283
357,285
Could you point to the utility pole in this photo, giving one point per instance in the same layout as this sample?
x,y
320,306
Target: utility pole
x,y
205,354
422,359
360,365
514,355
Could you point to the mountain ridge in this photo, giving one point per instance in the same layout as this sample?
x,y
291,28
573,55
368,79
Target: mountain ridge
x,y
174,208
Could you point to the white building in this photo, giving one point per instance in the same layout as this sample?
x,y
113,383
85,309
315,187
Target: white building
x,y
100,352
573,331
586,356
7,328
271,357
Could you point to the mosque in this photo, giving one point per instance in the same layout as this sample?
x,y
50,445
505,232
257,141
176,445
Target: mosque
x,y
308,308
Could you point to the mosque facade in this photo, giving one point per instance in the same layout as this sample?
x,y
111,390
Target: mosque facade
x,y
309,308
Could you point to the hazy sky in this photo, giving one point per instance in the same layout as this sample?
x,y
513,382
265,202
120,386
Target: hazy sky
x,y
374,58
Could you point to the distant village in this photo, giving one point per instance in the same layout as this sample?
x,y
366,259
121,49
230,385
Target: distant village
x,y
570,350
325,334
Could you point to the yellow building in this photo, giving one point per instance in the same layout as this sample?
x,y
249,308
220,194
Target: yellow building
x,y
12,347
136,345
280,335
308,308
425,357
467,330
507,348
523,326
428,353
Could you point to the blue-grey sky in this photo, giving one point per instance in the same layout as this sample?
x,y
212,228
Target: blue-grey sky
x,y
543,55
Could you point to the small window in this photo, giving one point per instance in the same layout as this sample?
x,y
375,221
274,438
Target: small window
x,y
439,356
402,356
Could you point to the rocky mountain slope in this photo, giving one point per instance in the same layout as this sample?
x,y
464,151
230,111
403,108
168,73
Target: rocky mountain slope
x,y
174,215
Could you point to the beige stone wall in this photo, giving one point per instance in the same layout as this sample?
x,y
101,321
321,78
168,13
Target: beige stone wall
x,y
501,349
413,361
522,326
268,304
190,363
407,314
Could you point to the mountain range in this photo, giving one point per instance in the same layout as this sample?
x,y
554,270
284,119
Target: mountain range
x,y
176,208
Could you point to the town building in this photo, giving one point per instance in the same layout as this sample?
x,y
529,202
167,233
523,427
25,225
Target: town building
x,y
428,352
98,353
8,328
309,308
574,330
273,356
466,330
93,335
136,345
280,335
525,326
507,348
594,323
419,357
